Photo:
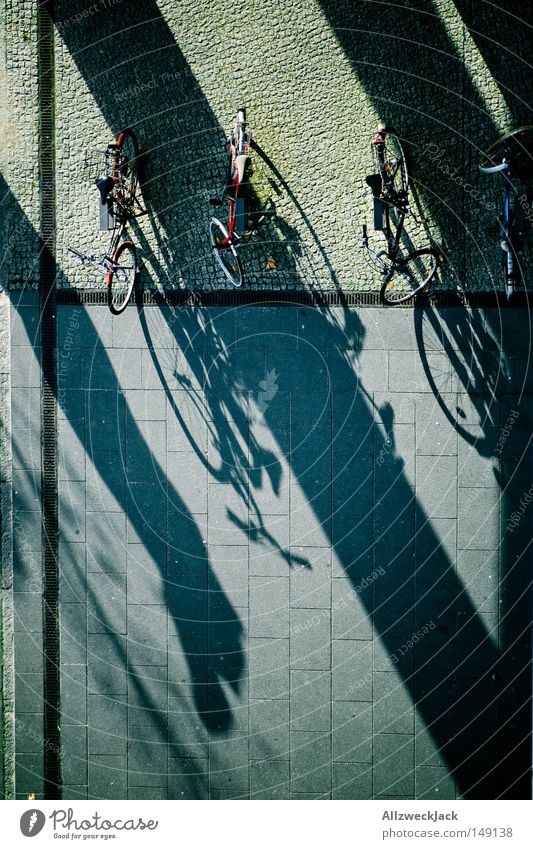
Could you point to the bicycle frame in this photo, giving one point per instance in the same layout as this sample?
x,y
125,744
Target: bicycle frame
x,y
505,225
393,242
105,262
232,191
386,199
511,156
514,218
510,231
382,208
239,145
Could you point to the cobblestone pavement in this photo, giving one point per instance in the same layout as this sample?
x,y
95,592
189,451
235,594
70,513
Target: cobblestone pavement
x,y
316,78
293,552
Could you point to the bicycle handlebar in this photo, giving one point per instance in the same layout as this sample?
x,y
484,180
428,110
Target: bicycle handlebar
x,y
493,169
82,257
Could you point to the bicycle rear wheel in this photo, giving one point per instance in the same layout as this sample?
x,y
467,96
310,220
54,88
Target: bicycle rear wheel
x,y
121,277
225,253
392,166
129,168
409,276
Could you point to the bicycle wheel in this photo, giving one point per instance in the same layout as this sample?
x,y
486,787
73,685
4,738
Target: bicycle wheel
x,y
390,160
225,253
409,276
129,168
121,277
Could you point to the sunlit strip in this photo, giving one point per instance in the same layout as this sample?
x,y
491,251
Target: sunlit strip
x,y
479,73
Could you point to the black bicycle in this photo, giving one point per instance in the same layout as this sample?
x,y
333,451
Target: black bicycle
x,y
119,204
512,157
404,274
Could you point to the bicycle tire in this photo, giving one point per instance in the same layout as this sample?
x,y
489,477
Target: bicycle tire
x,y
129,147
392,166
226,256
410,276
119,286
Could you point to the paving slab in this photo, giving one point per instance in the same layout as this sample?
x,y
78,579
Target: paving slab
x,y
257,595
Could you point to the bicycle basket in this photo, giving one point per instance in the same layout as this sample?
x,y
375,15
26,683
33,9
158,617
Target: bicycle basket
x,y
93,162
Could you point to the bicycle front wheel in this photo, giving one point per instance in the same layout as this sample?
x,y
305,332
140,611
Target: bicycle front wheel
x,y
225,253
409,276
129,166
121,277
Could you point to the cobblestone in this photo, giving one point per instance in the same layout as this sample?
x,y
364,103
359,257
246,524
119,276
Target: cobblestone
x,y
314,91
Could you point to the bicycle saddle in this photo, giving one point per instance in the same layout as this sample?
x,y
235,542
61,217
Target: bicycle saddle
x,y
376,183
242,163
104,186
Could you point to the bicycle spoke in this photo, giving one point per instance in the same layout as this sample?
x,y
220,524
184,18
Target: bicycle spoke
x,y
121,277
410,276
225,253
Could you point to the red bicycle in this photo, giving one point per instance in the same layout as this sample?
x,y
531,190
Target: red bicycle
x,y
224,241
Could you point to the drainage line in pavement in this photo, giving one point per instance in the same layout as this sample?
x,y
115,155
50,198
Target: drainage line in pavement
x,y
324,299
49,409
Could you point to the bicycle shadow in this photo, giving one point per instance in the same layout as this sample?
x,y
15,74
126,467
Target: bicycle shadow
x,y
304,265
444,125
430,708
462,724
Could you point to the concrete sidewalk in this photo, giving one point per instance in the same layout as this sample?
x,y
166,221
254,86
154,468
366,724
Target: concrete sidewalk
x,y
292,552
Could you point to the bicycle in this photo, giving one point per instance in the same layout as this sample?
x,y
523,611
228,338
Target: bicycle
x,y
511,156
118,205
403,276
225,241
